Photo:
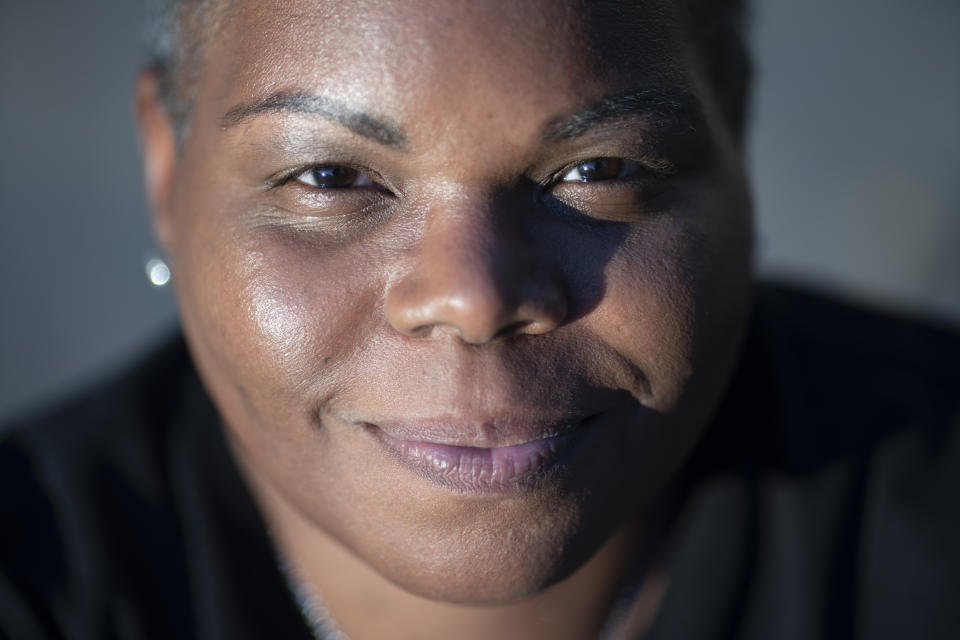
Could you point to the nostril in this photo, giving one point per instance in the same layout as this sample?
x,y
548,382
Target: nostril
x,y
523,327
516,327
477,336
421,331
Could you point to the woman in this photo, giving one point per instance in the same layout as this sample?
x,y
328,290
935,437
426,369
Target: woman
x,y
466,288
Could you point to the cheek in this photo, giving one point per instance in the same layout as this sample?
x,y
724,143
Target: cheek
x,y
276,317
675,300
309,308
649,305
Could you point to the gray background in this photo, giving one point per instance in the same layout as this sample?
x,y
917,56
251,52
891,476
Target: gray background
x,y
855,153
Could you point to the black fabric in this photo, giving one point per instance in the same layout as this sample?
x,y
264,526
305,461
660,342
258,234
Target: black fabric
x,y
124,517
824,501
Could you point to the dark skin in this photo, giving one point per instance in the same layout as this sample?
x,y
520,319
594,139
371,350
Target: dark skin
x,y
440,223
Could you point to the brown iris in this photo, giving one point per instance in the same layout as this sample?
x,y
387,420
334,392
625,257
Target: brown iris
x,y
597,169
332,177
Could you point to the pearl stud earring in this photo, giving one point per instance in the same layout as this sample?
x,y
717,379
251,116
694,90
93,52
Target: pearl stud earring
x,y
158,272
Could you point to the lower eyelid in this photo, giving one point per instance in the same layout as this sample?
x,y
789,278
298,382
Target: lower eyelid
x,y
642,189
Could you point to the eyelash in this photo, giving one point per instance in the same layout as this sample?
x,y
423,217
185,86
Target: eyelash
x,y
375,182
655,167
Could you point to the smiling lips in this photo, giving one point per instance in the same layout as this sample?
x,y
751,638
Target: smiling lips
x,y
432,451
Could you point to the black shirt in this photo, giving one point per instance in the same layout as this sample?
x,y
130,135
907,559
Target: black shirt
x,y
824,501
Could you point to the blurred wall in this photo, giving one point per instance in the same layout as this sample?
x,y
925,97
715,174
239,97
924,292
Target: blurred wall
x,y
855,149
855,153
73,227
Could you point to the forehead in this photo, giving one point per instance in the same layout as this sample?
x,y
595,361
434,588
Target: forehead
x,y
459,52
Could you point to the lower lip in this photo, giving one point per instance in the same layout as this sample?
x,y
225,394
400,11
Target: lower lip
x,y
482,469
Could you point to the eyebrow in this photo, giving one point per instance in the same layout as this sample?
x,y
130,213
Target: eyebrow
x,y
364,124
676,112
680,112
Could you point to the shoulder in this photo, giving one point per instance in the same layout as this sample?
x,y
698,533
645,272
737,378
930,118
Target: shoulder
x,y
817,333
124,516
847,378
857,470
81,482
115,428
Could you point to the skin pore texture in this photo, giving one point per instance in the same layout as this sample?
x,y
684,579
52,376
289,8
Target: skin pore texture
x,y
415,242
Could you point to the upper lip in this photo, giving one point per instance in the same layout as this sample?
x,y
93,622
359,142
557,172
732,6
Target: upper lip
x,y
503,429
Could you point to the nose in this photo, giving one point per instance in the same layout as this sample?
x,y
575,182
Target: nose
x,y
479,277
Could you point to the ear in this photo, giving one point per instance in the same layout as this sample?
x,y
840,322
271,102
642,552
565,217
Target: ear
x,y
159,152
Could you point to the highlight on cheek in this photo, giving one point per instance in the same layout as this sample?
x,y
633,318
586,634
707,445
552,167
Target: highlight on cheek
x,y
276,318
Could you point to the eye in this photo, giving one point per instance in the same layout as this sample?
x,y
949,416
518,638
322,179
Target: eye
x,y
597,169
610,189
334,177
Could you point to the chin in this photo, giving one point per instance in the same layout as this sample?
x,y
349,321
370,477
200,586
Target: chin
x,y
501,570
478,587
491,551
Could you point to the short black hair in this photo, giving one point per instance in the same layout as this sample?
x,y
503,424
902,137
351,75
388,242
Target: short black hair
x,y
178,29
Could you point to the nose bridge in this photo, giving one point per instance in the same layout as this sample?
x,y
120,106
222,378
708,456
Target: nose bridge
x,y
473,273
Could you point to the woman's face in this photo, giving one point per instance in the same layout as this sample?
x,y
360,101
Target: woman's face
x,y
465,279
